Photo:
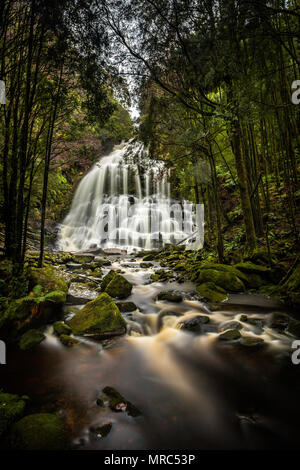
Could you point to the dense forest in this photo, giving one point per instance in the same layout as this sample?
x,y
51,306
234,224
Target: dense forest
x,y
210,90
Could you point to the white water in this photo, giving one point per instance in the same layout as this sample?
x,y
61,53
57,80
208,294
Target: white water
x,y
120,204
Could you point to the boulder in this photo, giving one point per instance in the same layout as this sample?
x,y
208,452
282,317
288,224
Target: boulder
x,y
211,292
279,321
11,409
227,280
31,339
100,317
116,285
43,431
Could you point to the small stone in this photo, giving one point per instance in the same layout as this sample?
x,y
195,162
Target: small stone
x,y
170,296
251,341
230,335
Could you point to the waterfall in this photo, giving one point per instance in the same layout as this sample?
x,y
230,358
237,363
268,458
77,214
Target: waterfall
x,y
123,204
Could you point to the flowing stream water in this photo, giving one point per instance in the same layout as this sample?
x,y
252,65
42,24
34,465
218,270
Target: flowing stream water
x,y
194,391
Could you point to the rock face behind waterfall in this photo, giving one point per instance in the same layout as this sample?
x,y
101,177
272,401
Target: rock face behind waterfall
x,y
100,317
125,202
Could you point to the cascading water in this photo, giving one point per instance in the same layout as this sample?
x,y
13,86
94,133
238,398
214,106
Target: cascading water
x,y
121,204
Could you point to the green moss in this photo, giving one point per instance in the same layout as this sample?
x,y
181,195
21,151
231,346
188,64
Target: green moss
x,y
97,317
31,339
60,328
106,280
248,267
68,340
11,409
211,292
119,287
251,342
227,280
42,431
154,277
56,297
49,278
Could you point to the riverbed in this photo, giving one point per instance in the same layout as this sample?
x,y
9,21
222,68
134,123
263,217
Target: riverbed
x,y
194,391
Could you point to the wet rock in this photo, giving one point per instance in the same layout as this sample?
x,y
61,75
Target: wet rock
x,y
68,340
31,339
126,306
11,409
243,318
294,328
279,321
255,321
150,257
84,258
101,431
249,268
251,341
74,266
193,324
231,325
154,277
211,292
170,296
98,317
42,431
116,285
230,335
118,403
146,265
60,328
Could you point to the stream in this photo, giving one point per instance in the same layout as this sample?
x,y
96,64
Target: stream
x,y
194,391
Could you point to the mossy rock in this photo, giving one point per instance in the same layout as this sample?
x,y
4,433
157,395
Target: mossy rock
x,y
251,342
170,296
49,278
98,317
43,431
84,258
68,340
118,287
231,325
279,321
154,277
118,403
60,328
225,279
31,339
249,268
126,306
230,335
193,324
179,267
146,265
211,292
150,257
106,280
56,297
11,409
